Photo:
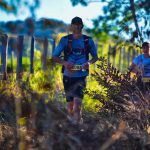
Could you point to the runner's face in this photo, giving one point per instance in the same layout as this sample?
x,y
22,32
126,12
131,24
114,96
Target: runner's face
x,y
146,50
76,28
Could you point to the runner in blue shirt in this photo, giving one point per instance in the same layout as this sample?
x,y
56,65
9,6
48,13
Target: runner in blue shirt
x,y
76,48
141,65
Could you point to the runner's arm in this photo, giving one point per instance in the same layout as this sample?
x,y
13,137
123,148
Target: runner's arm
x,y
93,52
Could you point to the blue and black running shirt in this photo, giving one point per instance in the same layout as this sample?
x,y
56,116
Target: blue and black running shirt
x,y
77,56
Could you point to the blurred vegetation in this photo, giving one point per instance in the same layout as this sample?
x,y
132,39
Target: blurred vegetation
x,y
110,97
12,6
124,19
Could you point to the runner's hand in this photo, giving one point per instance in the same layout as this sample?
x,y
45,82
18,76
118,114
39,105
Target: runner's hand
x,y
85,66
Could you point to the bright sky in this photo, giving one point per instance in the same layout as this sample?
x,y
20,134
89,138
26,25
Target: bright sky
x,y
61,10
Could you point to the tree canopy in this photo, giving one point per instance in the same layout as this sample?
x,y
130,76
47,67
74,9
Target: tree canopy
x,y
12,6
125,18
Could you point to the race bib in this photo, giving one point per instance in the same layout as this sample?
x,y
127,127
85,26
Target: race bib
x,y
77,67
146,79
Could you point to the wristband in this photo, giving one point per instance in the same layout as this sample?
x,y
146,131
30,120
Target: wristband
x,y
88,63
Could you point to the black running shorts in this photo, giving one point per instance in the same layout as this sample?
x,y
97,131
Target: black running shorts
x,y
74,87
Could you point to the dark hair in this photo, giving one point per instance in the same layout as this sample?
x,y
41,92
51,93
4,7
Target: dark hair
x,y
77,20
145,44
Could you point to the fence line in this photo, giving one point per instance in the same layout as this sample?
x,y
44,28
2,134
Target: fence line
x,y
120,58
4,56
20,41
4,39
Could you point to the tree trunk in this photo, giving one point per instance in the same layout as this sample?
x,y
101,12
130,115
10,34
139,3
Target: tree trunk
x,y
135,19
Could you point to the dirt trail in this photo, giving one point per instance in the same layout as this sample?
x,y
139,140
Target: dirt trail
x,y
49,129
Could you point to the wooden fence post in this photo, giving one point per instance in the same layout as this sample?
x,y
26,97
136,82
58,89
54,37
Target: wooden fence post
x,y
129,57
11,59
120,57
114,55
19,56
4,56
133,54
53,45
123,59
32,55
44,54
109,49
97,45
